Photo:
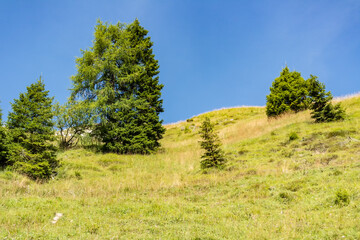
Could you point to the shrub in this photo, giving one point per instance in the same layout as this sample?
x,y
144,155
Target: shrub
x,y
342,197
33,169
78,175
72,120
285,197
293,136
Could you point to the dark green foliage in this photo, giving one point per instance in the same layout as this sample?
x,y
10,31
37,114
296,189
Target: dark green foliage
x,y
31,132
285,197
72,120
337,172
293,136
290,92
287,93
119,75
213,156
331,113
322,108
342,197
3,143
3,146
78,175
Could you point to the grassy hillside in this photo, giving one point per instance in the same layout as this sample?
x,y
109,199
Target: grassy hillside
x,y
272,188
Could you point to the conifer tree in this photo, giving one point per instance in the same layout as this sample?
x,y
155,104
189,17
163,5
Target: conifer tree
x,y
31,125
213,156
119,74
3,143
287,93
322,108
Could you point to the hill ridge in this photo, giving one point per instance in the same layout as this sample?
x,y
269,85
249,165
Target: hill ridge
x,y
274,186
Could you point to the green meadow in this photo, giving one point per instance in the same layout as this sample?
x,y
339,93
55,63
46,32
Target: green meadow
x,y
286,178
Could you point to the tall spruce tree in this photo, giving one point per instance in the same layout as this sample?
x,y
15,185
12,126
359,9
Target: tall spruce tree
x,y
119,74
322,108
287,93
31,126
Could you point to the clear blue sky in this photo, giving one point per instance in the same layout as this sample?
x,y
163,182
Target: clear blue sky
x,y
212,54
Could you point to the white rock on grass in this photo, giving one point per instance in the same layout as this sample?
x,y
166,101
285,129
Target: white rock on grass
x,y
57,217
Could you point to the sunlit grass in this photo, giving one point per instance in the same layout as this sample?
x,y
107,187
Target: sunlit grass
x,y
272,187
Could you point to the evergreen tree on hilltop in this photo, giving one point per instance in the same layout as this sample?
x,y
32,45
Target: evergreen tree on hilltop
x,y
287,93
119,74
213,156
322,108
31,126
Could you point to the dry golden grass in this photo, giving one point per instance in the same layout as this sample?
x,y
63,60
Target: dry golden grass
x,y
258,127
346,97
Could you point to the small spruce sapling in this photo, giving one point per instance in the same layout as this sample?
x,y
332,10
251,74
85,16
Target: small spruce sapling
x,y
322,108
213,156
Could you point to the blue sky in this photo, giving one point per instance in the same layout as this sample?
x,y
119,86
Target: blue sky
x,y
212,54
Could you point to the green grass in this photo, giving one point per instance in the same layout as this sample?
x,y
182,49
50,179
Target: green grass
x,y
272,187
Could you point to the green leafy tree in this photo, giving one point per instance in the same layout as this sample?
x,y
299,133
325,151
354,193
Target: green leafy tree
x,y
119,76
213,156
287,93
72,120
322,108
31,126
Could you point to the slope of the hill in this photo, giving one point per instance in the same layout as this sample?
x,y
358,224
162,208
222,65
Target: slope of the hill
x,y
272,188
